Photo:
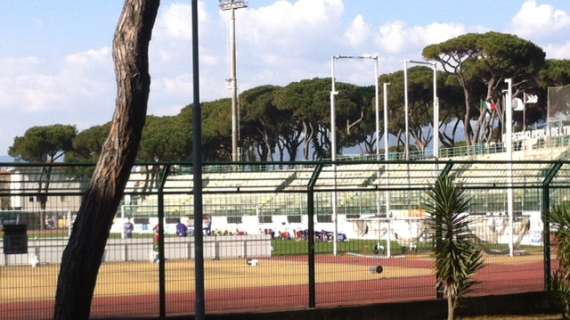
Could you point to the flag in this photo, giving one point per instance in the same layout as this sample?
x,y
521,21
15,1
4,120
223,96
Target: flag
x,y
518,104
489,105
530,98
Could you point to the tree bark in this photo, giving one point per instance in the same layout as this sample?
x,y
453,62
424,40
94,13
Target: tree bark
x,y
468,132
307,138
450,308
82,256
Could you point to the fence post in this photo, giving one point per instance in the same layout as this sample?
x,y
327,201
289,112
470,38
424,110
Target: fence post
x,y
550,174
200,303
546,236
311,234
161,265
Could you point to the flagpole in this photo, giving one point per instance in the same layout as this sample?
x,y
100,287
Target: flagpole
x,y
524,112
509,142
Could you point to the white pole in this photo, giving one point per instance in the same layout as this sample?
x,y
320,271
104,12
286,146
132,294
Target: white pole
x,y
386,170
377,109
509,142
333,157
386,149
406,150
235,115
377,114
123,235
435,115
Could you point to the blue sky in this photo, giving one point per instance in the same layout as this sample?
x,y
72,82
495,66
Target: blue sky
x,y
56,64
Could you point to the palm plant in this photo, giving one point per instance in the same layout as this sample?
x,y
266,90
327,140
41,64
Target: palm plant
x,y
457,257
560,219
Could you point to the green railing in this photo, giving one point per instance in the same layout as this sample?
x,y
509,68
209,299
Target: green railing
x,y
465,150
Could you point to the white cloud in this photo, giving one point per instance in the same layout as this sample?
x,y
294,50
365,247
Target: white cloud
x,y
14,66
358,32
558,51
93,56
175,21
397,37
180,85
535,19
290,25
28,85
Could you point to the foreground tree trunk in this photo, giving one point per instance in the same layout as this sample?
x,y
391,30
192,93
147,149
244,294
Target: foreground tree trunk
x,y
450,308
82,256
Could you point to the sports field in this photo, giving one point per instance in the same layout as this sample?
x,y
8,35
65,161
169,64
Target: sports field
x,y
275,283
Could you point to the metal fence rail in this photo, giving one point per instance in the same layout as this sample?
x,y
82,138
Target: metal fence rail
x,y
268,233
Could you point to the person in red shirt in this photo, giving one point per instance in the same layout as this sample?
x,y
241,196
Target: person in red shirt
x,y
155,241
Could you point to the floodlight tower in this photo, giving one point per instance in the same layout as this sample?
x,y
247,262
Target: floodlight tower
x,y
232,6
333,93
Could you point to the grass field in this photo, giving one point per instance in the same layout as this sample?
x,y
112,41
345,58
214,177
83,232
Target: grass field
x,y
295,247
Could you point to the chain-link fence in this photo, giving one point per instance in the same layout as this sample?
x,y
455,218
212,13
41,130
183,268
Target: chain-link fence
x,y
276,235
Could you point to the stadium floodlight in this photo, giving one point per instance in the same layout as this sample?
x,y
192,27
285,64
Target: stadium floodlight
x,y
333,93
232,6
433,66
509,142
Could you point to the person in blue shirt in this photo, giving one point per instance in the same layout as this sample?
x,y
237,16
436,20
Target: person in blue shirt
x,y
128,229
181,229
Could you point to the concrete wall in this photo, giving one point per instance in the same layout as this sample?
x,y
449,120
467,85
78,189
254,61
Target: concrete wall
x,y
220,247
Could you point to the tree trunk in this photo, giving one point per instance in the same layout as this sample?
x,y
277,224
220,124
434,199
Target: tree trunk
x,y
467,120
268,146
452,140
369,145
292,143
281,148
82,256
307,138
261,152
450,308
399,141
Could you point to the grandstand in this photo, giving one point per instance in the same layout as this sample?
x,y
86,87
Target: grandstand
x,y
258,198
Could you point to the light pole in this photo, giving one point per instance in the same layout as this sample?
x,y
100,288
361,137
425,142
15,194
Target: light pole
x,y
377,121
333,155
509,142
386,170
433,66
406,126
232,6
333,93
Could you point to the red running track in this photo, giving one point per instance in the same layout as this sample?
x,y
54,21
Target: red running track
x,y
493,279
